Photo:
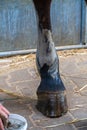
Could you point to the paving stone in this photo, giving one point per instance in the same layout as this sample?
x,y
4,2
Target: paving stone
x,y
20,75
3,83
73,65
75,101
79,113
63,127
82,128
25,81
84,93
4,97
33,73
43,121
28,88
81,124
80,80
69,65
35,128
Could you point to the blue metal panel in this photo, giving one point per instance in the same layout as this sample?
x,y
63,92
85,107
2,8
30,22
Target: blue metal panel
x,y
18,26
66,21
83,22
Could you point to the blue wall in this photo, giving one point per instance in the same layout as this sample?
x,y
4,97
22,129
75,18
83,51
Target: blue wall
x,y
18,27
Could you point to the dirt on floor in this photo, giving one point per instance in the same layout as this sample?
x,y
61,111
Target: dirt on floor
x,y
8,64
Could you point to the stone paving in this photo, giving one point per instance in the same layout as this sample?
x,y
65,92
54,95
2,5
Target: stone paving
x,y
19,80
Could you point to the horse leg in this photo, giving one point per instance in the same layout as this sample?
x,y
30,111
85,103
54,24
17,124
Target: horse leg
x,y
51,91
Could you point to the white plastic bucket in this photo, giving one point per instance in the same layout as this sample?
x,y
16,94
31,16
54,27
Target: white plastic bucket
x,y
18,122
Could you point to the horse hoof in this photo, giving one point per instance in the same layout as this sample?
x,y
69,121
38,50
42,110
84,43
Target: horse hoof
x,y
52,104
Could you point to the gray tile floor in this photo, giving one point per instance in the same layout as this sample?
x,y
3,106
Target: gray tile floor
x,y
19,77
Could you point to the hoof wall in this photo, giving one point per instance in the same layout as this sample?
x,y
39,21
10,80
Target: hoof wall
x,y
52,104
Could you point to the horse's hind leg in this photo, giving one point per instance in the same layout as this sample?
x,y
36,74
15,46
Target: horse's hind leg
x,y
51,91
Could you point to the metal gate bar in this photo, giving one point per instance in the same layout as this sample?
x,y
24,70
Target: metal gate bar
x,y
32,51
